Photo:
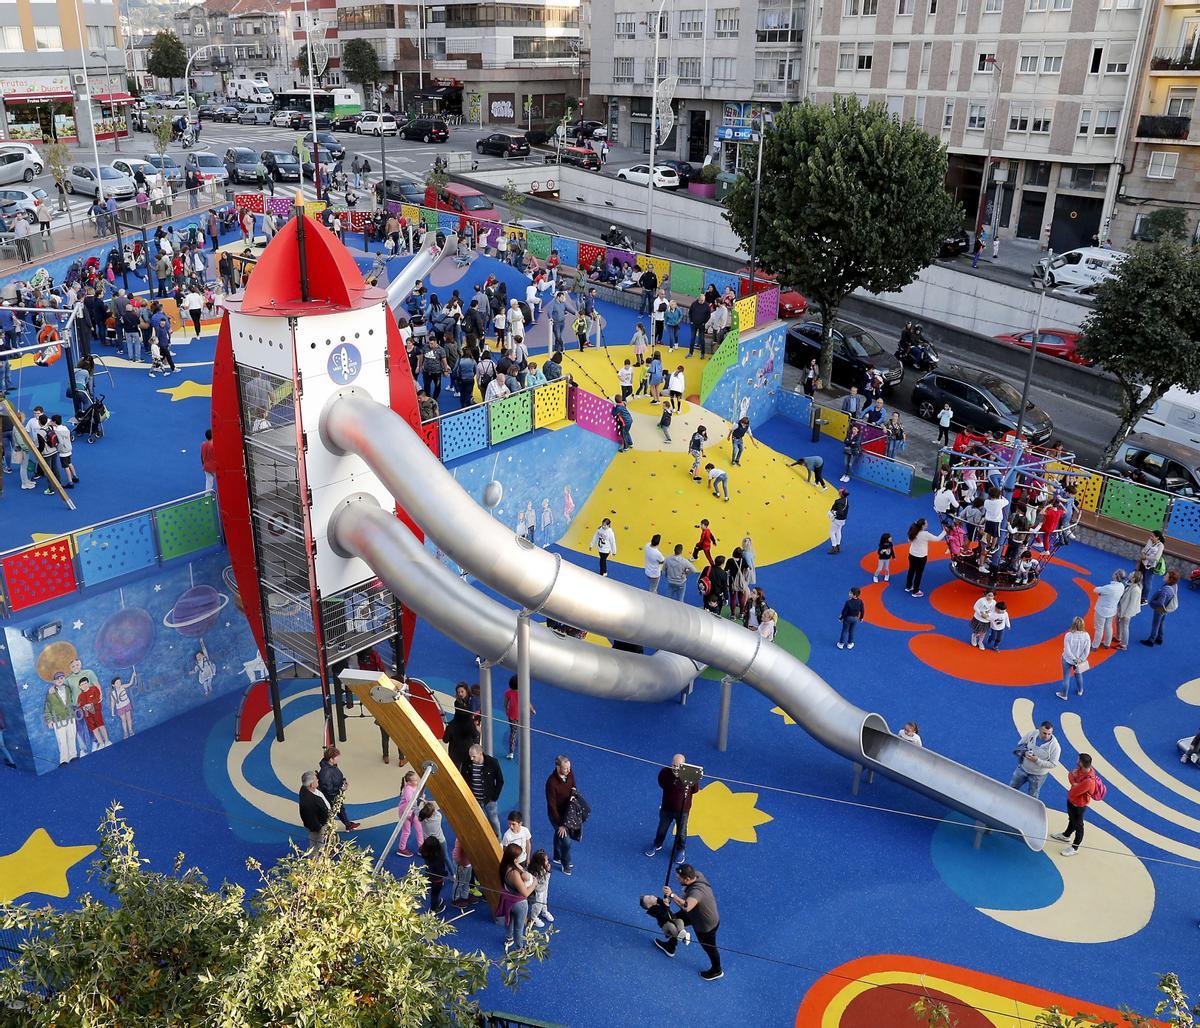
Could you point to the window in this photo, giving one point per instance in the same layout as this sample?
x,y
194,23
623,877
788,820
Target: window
x,y
689,69
101,36
851,9
870,8
1027,62
1040,121
976,116
1051,64
1036,6
691,25
895,107
1037,173
1061,5
865,57
1181,102
1088,177
1118,60
623,69
626,26
846,57
1085,121
926,57
899,58
992,6
724,69
904,7
1162,164
1018,118
1097,60
664,26
962,6
727,22
47,37
10,38
919,112
776,76
1106,123
948,114
933,6
985,63
781,24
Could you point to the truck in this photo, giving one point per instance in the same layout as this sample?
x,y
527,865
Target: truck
x,y
250,91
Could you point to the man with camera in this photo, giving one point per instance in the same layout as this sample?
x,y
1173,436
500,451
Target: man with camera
x,y
676,804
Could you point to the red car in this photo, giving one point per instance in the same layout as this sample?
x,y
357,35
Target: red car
x,y
1054,342
792,304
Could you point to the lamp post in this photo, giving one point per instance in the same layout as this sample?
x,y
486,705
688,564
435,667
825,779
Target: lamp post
x,y
990,132
312,102
87,95
653,130
1041,286
999,177
763,122
187,78
103,55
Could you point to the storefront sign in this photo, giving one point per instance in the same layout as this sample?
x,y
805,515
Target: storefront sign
x,y
734,134
13,86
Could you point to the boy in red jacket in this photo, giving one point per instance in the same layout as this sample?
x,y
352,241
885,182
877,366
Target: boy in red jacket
x,y
706,542
1085,786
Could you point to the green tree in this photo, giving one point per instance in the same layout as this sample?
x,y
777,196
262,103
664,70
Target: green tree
x,y
360,64
1164,223
851,199
168,59
513,199
436,178
319,942
1145,328
302,65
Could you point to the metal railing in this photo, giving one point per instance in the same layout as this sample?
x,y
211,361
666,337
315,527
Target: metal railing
x,y
1163,126
1175,58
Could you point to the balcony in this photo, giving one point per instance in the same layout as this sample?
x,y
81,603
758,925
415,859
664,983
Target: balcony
x,y
1175,59
777,88
1163,126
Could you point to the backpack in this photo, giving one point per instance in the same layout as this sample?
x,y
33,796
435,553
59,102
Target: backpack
x,y
1099,789
1172,603
704,581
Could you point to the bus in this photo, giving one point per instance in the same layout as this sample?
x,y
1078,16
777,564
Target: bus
x,y
333,103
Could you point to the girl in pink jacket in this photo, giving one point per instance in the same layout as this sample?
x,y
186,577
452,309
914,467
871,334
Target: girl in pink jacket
x,y
412,822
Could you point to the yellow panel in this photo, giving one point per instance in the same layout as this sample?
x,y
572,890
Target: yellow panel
x,y
549,403
1088,489
313,208
660,265
837,422
410,213
745,308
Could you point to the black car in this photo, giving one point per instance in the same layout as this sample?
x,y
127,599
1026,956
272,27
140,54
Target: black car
x,y
226,112
281,165
504,144
427,130
854,349
684,170
242,165
328,144
348,123
586,129
954,244
576,156
401,189
208,110
980,401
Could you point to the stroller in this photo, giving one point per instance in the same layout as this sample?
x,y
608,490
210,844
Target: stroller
x,y
91,421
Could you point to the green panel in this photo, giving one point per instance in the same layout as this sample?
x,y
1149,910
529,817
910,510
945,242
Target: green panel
x,y
686,278
538,244
429,219
510,417
187,527
1134,504
721,361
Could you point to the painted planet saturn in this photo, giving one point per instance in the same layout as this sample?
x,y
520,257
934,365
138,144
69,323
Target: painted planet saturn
x,y
196,611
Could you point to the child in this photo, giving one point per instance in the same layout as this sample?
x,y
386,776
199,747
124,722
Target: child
x,y
675,387
1027,564
767,626
604,542
512,708
853,611
500,323
517,833
981,617
430,818
639,343
461,896
625,378
580,325
718,479
910,733
539,867
696,451
884,553
706,542
436,871
1000,624
412,821
944,417
664,422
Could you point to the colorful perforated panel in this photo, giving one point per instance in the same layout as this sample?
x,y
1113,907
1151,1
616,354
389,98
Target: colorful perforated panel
x,y
359,220
187,527
515,233
538,244
687,278
463,433
510,417
280,205
39,574
595,414
1184,522
722,280
430,433
252,202
488,230
447,223
1134,504
621,256
568,250
837,422
1088,487
396,207
409,212
588,252
888,473
121,548
794,406
746,308
429,218
725,358
550,403
767,308
661,266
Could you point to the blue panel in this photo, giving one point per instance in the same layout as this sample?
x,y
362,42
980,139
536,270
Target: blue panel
x,y
722,280
1184,522
568,250
448,223
795,406
111,551
887,473
464,433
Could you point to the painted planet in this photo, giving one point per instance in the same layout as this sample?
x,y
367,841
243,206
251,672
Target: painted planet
x,y
493,493
124,638
55,658
195,612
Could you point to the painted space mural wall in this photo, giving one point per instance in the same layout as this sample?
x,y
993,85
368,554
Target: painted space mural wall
x,y
751,387
171,641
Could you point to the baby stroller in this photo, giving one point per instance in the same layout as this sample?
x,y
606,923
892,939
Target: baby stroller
x,y
91,421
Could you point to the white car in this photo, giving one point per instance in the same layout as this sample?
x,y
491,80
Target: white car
x,y
282,119
172,102
639,174
372,123
131,165
27,198
1088,265
30,151
82,180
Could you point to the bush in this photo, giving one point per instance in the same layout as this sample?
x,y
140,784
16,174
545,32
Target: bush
x,y
708,174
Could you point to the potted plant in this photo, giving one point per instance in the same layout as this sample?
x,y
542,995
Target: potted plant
x,y
705,183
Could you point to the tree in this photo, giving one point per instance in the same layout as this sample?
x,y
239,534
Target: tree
x,y
1145,328
360,64
1164,223
161,133
168,59
851,199
302,65
513,199
436,178
320,942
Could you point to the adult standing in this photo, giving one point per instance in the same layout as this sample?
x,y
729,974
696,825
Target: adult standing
x,y
738,435
1128,608
677,568
673,810
517,886
1150,560
839,513
1164,601
919,539
698,908
897,438
1037,755
314,812
648,280
560,787
654,561
1077,646
1108,601
460,734
485,780
333,784
1084,786
697,320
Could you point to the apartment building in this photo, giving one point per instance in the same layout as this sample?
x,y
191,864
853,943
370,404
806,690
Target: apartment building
x,y
322,25
45,92
731,61
1161,160
1045,85
252,38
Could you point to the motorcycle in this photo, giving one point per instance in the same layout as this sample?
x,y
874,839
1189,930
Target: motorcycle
x,y
617,240
188,139
916,350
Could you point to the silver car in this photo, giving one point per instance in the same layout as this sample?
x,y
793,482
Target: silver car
x,y
82,179
18,166
131,165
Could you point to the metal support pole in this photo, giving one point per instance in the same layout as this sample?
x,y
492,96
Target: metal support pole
x,y
124,265
429,768
723,716
762,124
523,704
980,831
653,132
1033,349
485,705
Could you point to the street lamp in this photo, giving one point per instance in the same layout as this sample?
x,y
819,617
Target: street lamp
x,y
312,103
87,94
187,78
764,119
653,130
990,132
103,55
1041,285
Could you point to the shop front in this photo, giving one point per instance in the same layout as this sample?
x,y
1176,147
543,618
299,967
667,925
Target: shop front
x,y
109,114
39,108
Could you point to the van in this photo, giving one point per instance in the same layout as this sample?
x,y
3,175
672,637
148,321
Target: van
x,y
460,199
1176,417
1086,266
255,114
250,91
1161,463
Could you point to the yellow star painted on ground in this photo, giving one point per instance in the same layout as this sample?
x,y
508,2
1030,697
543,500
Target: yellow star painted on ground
x,y
40,865
787,718
186,390
720,816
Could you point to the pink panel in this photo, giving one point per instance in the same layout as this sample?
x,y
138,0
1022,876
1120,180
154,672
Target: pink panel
x,y
595,414
768,306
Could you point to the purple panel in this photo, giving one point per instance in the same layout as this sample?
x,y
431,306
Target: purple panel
x,y
768,306
490,230
393,207
623,256
595,414
280,205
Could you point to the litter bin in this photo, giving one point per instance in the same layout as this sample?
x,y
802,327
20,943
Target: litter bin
x,y
725,181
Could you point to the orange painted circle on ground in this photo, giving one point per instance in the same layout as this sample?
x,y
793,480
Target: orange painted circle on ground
x,y
878,614
937,551
956,599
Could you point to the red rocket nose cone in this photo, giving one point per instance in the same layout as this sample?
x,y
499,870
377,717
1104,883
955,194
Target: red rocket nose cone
x,y
334,281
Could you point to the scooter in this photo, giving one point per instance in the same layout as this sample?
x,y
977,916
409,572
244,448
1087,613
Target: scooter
x,y
188,139
916,350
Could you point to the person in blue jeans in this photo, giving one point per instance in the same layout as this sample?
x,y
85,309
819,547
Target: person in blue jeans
x,y
624,422
1164,601
738,436
676,571
718,479
853,611
559,788
698,314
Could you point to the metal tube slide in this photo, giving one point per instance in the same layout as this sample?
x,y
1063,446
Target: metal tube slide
x,y
537,579
421,265
488,628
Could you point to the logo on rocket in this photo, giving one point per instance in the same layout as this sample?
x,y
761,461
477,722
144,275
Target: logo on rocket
x,y
345,363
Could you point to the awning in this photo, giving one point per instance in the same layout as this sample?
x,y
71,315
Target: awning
x,y
113,99
35,98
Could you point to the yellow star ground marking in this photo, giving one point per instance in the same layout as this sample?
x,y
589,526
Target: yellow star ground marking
x,y
720,816
787,718
40,865
186,390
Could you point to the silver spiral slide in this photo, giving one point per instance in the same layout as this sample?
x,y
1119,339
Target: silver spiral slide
x,y
540,581
423,262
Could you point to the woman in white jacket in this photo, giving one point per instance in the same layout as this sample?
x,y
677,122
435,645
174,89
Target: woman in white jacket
x,y
604,542
1077,647
1128,607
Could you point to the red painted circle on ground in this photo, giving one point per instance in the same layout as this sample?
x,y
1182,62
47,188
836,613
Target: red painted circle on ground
x,y
956,599
892,1005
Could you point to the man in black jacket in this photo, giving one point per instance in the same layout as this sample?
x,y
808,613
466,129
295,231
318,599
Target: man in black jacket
x,y
485,780
314,812
676,803
649,283
698,314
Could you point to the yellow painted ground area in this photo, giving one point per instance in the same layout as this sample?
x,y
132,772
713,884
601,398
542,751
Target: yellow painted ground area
x,y
596,369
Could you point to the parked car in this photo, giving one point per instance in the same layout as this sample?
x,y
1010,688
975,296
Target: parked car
x,y
980,401
132,165
255,114
172,103
955,244
460,199
207,165
639,175
372,123
31,151
208,110
346,123
166,164
284,119
1162,463
427,130
686,172
243,165
82,179
226,112
504,144
23,198
576,157
402,189
1053,342
793,304
328,144
854,348
281,165
586,129
17,166
1086,266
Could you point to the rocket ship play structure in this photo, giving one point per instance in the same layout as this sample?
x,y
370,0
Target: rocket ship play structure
x,y
327,488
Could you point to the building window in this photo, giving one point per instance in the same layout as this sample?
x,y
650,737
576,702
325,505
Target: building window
x,y
933,6
926,57
376,16
1162,164
985,62
1106,123
1089,177
865,58
724,69
1181,102
962,6
101,36
845,57
1139,219
625,26
47,37
1097,60
899,58
783,24
727,22
850,9
776,76
1036,5
689,69
1037,173
691,24
10,37
870,8
976,116
948,114
1051,64
895,107
919,111
904,7
1018,118
1085,121
623,69
992,6
1041,120
1118,60
1027,62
